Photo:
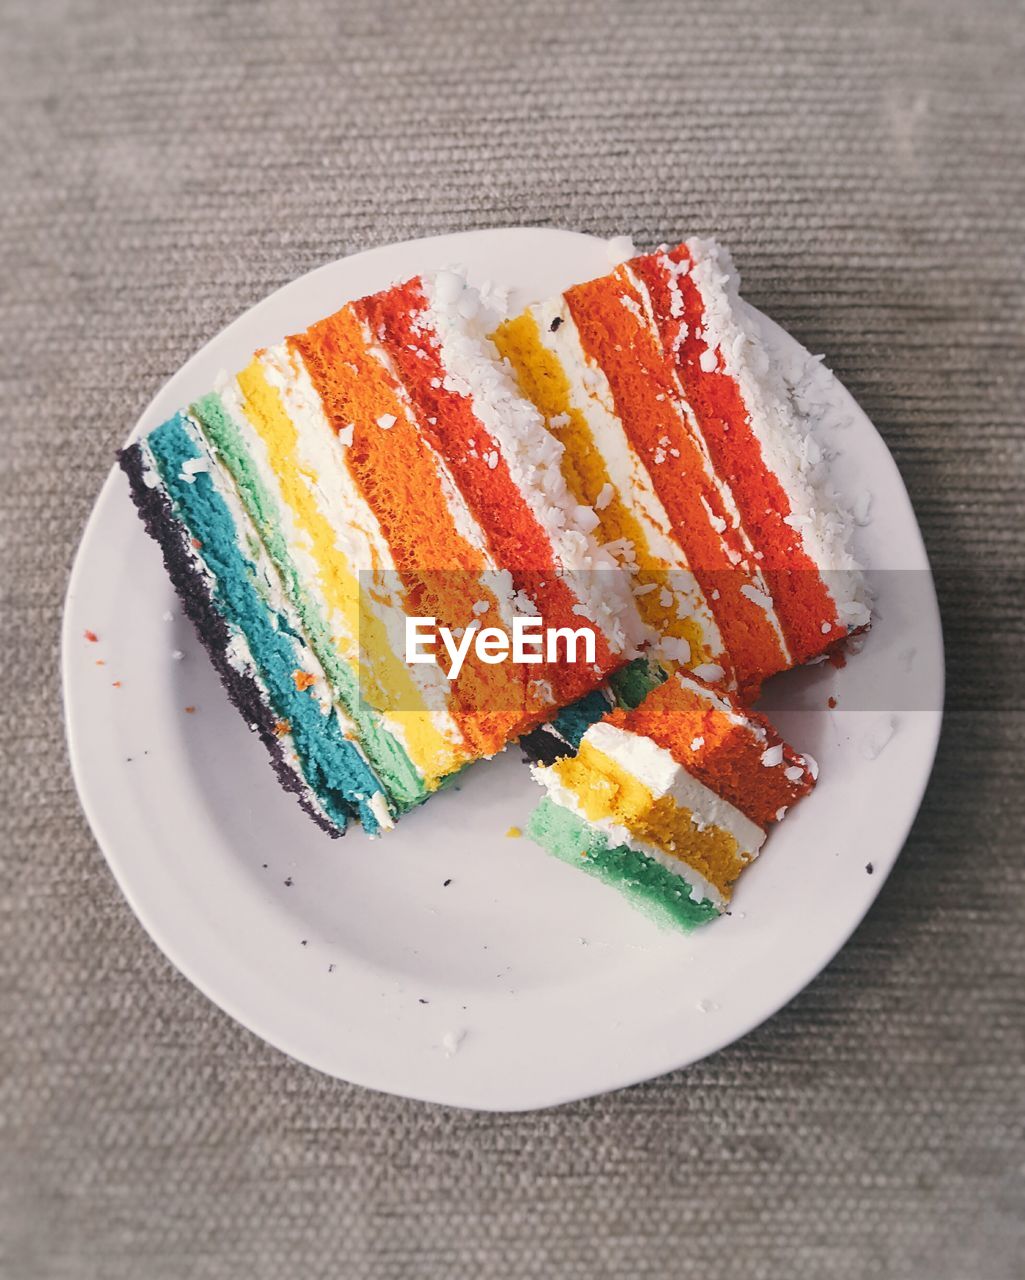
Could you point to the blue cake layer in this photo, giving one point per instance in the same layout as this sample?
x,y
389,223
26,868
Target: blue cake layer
x,y
333,767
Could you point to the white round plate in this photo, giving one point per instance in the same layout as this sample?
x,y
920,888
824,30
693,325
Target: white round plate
x,y
447,961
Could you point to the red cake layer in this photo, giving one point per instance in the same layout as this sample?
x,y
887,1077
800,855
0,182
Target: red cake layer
x,y
803,604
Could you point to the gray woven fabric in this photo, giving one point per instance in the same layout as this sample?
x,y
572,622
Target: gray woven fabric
x,y
168,163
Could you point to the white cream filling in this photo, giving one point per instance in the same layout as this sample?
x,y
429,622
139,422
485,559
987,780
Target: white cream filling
x,y
532,455
379,808
787,442
656,768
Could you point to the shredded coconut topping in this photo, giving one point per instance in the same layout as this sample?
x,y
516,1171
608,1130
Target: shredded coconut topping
x,y
531,453
783,409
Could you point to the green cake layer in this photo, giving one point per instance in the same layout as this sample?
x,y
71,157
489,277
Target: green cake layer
x,y
664,897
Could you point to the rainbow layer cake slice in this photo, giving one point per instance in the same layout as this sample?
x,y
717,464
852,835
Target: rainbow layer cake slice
x,y
682,435
624,458
670,802
380,466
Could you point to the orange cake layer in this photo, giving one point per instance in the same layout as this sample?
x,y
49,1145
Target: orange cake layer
x,y
398,475
735,752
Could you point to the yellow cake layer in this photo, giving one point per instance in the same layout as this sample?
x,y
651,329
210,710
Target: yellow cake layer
x,y
542,379
604,790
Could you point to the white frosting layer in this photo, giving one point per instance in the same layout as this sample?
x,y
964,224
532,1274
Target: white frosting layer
x,y
532,455
656,768
701,890
787,442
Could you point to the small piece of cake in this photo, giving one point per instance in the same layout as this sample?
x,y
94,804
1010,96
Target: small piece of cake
x,y
669,802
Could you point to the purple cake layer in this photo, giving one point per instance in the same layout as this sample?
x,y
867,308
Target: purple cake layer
x,y
183,566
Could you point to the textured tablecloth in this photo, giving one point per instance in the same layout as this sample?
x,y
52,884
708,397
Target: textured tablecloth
x,y
166,164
